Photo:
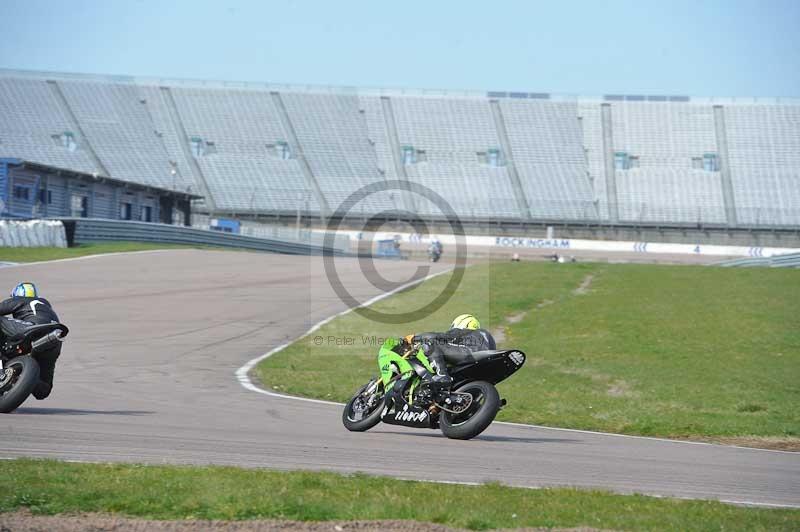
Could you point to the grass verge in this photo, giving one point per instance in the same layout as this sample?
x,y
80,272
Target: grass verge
x,y
672,351
81,250
174,492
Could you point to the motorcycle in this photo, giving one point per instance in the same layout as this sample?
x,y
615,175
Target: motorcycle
x,y
400,395
19,368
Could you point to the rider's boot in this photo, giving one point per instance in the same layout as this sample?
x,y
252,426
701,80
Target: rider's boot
x,y
441,379
42,390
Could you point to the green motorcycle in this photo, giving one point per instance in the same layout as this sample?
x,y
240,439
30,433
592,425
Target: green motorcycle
x,y
401,394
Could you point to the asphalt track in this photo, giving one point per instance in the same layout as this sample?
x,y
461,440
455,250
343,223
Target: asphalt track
x,y
147,376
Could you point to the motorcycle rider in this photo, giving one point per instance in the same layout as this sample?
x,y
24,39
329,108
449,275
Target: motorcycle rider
x,y
435,249
458,343
27,308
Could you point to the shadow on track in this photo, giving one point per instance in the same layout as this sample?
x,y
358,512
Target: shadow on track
x,y
79,412
487,437
483,437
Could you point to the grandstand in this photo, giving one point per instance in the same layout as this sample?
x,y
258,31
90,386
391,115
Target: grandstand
x,y
499,156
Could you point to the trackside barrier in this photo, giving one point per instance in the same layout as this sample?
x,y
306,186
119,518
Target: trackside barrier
x,y
32,234
388,249
567,244
87,230
789,260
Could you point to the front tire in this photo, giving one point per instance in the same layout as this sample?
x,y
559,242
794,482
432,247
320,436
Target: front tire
x,y
20,377
373,414
484,408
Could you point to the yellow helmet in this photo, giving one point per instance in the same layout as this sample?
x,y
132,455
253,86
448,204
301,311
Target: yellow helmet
x,y
466,321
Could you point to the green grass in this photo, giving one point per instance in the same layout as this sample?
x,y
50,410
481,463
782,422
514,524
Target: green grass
x,y
174,492
675,351
42,254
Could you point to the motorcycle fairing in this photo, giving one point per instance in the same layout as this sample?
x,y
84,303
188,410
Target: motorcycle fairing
x,y
492,366
387,358
408,415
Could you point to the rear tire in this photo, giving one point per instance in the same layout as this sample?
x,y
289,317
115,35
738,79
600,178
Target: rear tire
x,y
474,421
370,420
19,386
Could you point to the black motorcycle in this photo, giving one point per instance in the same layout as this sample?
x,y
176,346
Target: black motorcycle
x,y
400,396
19,368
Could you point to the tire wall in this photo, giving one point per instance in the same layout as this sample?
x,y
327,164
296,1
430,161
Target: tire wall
x,y
32,233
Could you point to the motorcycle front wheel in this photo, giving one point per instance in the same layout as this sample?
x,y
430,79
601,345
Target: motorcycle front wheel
x,y
363,411
17,380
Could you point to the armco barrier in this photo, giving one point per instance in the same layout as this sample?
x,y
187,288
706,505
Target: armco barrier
x,y
790,260
87,230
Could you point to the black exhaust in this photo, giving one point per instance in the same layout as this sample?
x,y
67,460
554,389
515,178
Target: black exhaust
x,y
46,342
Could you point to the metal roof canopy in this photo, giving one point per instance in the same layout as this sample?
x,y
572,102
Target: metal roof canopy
x,y
95,178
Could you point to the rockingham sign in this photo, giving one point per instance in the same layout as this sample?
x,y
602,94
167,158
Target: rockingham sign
x,y
539,243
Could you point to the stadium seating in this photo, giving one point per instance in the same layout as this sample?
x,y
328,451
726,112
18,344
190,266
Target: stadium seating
x,y
277,150
665,138
120,129
334,138
33,124
240,133
764,143
547,147
447,137
592,144
158,106
669,195
247,184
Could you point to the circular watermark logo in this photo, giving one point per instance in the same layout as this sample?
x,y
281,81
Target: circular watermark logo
x,y
366,257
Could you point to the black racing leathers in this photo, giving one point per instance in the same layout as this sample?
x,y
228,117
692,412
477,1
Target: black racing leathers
x,y
453,345
35,311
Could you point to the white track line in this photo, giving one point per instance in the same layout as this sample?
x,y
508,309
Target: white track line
x,y
244,379
653,438
242,373
94,256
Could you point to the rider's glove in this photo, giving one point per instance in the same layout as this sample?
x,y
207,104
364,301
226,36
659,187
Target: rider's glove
x,y
391,343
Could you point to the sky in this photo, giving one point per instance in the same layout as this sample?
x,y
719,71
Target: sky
x,y
696,48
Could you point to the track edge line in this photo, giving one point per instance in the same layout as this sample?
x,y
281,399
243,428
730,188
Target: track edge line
x,y
242,375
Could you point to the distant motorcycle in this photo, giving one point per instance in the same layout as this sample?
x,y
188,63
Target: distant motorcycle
x,y
400,397
435,251
19,369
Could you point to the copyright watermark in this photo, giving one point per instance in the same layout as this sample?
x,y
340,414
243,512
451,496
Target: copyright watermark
x,y
345,341
331,340
366,259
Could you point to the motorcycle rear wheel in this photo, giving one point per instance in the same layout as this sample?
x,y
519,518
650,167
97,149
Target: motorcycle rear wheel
x,y
484,408
372,417
16,386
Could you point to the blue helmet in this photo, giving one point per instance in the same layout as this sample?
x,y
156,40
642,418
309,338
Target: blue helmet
x,y
25,290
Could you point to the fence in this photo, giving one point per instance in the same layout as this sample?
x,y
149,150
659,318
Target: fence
x,y
790,260
87,230
277,232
